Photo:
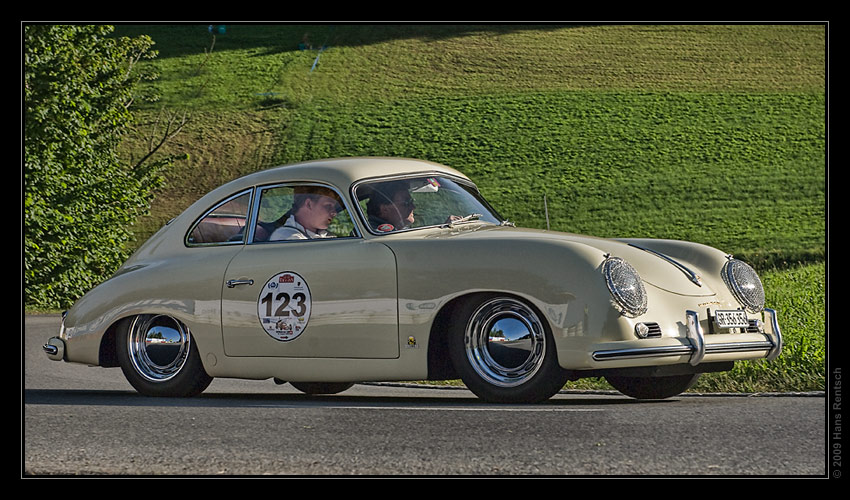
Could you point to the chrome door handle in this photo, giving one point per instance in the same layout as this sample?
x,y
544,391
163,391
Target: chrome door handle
x,y
233,283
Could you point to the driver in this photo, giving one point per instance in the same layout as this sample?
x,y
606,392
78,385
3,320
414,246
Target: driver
x,y
390,207
313,210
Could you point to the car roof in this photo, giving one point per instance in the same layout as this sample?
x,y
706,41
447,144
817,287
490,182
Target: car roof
x,y
341,172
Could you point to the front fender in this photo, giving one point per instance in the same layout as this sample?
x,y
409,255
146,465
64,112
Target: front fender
x,y
560,278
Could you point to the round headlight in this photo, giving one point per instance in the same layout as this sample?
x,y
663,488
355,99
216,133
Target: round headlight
x,y
744,284
625,286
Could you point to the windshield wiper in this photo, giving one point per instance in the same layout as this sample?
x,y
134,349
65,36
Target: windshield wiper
x,y
468,218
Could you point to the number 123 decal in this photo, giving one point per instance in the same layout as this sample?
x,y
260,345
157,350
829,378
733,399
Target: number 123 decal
x,y
284,306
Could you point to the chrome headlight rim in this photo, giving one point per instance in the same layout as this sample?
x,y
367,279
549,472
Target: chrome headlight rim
x,y
626,287
744,283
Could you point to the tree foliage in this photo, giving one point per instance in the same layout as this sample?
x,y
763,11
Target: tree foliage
x,y
80,200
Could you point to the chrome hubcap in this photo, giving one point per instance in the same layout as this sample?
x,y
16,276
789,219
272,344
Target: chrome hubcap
x,y
505,342
158,346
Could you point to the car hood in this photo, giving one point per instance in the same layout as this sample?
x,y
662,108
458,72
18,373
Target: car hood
x,y
655,268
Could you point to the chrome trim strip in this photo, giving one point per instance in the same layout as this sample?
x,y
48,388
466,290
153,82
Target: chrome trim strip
x,y
642,352
680,350
740,347
694,277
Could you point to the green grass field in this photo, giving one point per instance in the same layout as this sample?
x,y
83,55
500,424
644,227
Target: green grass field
x,y
713,134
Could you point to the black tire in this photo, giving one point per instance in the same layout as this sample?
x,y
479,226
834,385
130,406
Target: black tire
x,y
653,387
503,351
321,387
159,358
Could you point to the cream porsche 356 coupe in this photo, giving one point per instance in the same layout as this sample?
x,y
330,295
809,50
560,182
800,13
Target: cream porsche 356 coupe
x,y
332,272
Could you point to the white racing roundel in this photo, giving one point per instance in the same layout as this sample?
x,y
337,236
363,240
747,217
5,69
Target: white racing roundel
x,y
284,306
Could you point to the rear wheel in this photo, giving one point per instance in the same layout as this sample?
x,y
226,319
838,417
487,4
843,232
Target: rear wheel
x,y
158,357
653,387
504,352
321,387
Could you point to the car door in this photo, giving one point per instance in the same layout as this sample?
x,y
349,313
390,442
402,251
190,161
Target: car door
x,y
311,299
334,297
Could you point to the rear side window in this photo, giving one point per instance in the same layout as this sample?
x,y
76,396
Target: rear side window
x,y
222,224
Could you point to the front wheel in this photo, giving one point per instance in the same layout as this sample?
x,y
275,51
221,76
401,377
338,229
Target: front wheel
x,y
504,352
653,387
158,357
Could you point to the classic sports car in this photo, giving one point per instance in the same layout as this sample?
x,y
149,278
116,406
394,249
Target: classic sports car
x,y
331,272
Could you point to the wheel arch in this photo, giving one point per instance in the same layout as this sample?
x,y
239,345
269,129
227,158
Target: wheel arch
x,y
440,366
108,352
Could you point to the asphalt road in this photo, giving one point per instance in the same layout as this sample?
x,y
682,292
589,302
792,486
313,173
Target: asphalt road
x,y
79,420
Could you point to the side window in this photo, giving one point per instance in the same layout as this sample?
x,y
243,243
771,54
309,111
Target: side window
x,y
224,223
302,212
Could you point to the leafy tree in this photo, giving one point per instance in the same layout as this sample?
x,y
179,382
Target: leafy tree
x,y
80,200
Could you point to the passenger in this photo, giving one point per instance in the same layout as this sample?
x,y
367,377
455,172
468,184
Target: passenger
x,y
313,210
390,207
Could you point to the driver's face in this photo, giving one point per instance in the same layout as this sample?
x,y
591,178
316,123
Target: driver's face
x,y
400,212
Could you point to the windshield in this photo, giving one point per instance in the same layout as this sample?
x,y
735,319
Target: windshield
x,y
418,202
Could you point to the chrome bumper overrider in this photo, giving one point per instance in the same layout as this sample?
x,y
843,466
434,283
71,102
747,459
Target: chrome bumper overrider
x,y
55,349
698,348
55,346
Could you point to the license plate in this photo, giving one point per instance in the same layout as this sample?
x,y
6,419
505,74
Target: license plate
x,y
731,319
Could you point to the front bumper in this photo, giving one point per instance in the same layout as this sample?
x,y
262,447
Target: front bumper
x,y
696,347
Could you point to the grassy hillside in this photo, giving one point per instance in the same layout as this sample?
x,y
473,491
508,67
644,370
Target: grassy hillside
x,y
743,172
713,134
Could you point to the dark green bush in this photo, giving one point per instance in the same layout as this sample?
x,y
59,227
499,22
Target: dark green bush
x,y
80,200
